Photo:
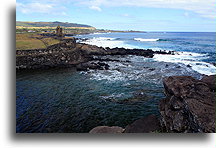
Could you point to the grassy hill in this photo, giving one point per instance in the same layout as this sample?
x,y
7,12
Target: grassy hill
x,y
40,27
49,24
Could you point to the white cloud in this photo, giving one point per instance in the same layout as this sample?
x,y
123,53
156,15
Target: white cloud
x,y
205,8
34,7
42,8
95,8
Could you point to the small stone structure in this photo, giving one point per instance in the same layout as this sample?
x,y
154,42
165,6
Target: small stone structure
x,y
59,32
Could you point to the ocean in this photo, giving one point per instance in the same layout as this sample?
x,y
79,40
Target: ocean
x,y
194,48
66,100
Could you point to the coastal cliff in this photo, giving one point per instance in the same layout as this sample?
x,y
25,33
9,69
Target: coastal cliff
x,y
189,105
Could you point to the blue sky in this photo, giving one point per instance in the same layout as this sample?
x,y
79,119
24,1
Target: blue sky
x,y
145,15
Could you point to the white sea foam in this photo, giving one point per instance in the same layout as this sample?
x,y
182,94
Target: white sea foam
x,y
145,40
190,59
107,42
101,33
110,75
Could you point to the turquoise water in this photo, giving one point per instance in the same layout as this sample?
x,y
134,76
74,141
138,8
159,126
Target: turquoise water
x,y
64,100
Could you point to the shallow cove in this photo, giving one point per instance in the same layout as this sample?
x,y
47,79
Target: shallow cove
x,y
65,100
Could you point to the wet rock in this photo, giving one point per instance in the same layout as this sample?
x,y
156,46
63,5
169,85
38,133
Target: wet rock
x,y
107,129
189,65
151,69
92,65
107,59
139,52
189,105
144,125
107,48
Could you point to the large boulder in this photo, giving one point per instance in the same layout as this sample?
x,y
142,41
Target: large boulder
x,y
107,129
189,105
144,125
91,49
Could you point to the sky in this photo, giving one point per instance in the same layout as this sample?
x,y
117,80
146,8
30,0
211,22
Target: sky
x,y
143,15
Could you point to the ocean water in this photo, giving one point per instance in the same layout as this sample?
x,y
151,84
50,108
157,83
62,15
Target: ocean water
x,y
196,49
65,100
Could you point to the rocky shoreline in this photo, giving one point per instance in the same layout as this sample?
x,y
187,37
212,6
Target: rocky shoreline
x,y
68,53
189,106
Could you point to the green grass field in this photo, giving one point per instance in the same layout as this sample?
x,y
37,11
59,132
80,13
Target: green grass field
x,y
33,41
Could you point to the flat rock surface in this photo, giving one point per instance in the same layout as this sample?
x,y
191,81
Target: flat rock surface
x,y
144,125
107,129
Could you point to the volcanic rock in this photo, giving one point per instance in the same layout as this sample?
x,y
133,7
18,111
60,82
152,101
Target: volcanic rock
x,y
189,105
210,81
92,65
144,125
107,129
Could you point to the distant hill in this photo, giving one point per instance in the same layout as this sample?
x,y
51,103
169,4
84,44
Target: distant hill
x,y
49,24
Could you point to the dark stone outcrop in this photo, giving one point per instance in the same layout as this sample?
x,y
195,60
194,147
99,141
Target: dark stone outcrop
x,y
55,59
139,52
144,125
107,129
92,65
63,54
189,105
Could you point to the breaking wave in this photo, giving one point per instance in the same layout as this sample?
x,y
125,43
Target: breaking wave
x,y
149,40
146,40
190,59
108,42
